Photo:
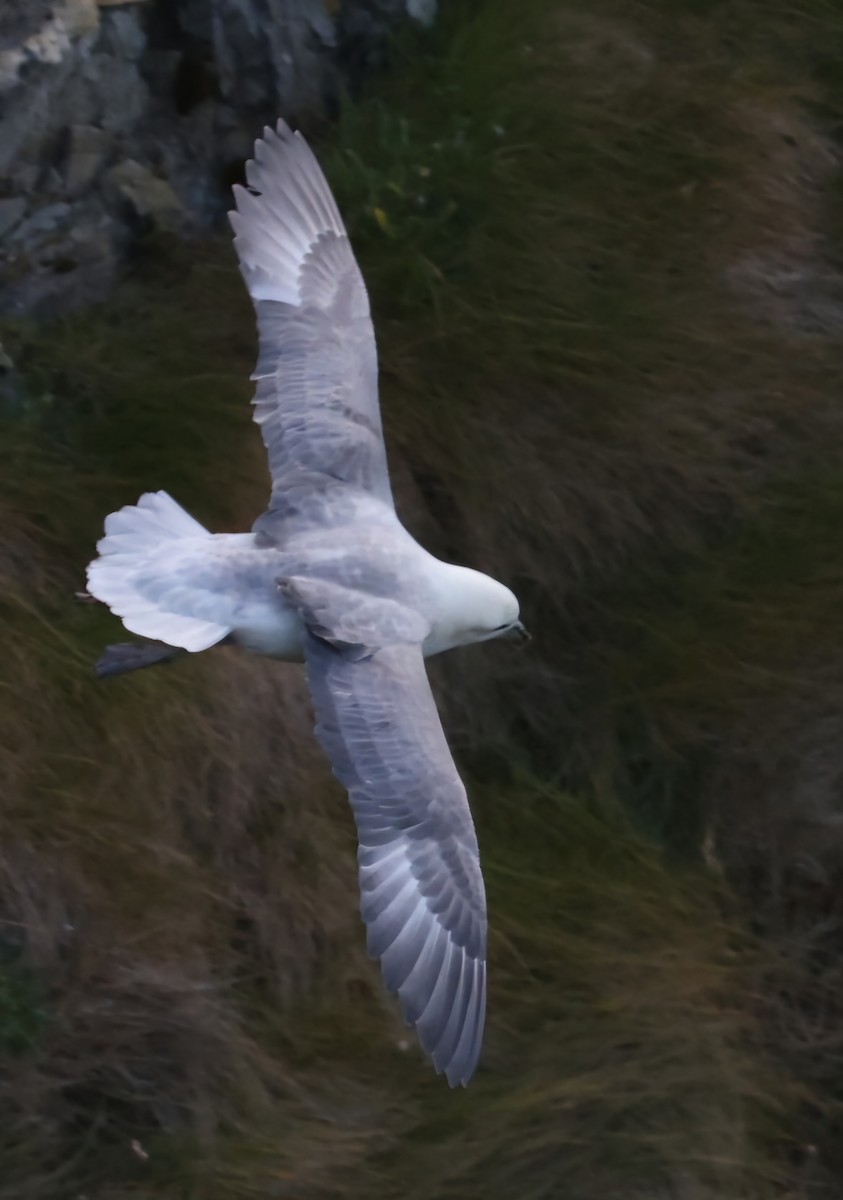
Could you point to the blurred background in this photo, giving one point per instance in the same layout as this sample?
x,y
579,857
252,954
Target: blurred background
x,y
604,248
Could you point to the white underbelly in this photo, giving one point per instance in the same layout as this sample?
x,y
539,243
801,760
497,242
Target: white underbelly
x,y
271,629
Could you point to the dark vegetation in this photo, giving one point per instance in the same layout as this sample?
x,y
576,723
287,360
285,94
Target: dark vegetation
x,y
603,246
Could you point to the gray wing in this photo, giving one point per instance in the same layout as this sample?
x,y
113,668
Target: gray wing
x,y
317,396
422,894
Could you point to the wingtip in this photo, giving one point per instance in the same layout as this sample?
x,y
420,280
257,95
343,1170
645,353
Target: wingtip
x,y
282,132
459,1077
454,1050
237,190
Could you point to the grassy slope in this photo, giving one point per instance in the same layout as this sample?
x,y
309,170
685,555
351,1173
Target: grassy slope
x,y
600,381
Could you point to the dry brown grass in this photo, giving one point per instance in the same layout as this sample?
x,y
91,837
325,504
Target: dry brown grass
x,y
162,845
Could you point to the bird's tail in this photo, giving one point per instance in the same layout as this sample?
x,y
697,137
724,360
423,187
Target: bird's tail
x,y
136,540
134,656
143,526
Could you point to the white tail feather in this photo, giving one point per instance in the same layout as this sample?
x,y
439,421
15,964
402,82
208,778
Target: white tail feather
x,y
135,539
155,516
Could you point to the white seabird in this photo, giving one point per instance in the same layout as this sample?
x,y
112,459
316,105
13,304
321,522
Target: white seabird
x,y
329,575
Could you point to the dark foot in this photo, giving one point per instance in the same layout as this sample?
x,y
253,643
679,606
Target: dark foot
x,y
134,656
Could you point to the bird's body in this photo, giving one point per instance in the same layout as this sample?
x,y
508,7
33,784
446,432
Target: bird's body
x,y
234,579
329,575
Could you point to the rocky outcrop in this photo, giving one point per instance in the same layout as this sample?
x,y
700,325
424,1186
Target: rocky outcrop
x,y
119,117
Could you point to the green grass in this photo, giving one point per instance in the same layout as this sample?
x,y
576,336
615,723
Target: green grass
x,y
548,204
22,1012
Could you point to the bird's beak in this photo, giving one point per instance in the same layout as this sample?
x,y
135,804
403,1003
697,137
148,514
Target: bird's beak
x,y
517,633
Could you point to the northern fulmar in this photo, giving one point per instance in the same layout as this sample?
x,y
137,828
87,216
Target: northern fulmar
x,y
328,575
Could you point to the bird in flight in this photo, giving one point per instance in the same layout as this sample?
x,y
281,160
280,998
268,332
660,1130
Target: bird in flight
x,y
328,575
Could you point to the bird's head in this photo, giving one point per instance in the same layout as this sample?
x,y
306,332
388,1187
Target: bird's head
x,y
476,608
498,613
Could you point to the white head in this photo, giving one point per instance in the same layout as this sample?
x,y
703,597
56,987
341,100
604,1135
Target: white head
x,y
472,607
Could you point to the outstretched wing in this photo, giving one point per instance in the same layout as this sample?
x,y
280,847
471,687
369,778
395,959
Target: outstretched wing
x,y
317,396
422,894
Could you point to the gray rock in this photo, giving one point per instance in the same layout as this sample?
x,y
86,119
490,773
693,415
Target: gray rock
x,y
159,70
82,85
92,237
152,200
365,27
122,93
19,19
44,221
93,251
87,150
43,86
271,55
236,143
11,212
423,11
25,176
122,33
73,265
51,42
